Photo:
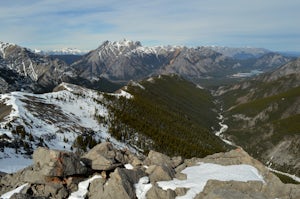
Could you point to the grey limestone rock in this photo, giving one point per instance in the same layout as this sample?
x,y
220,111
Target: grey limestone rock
x,y
102,157
157,193
160,173
156,158
57,163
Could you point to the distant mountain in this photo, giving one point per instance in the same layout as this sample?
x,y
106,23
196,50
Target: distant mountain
x,y
126,60
263,116
123,61
290,53
63,51
69,59
24,70
43,72
240,53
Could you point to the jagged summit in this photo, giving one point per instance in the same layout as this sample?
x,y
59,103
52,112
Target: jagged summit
x,y
3,46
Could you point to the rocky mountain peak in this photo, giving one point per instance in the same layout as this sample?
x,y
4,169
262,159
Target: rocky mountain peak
x,y
3,46
119,47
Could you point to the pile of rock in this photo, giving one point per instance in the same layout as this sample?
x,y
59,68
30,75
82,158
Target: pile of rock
x,y
56,174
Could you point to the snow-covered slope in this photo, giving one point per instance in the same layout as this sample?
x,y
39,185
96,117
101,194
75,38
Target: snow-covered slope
x,y
53,119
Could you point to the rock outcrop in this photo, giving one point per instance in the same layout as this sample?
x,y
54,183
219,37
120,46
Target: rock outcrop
x,y
121,174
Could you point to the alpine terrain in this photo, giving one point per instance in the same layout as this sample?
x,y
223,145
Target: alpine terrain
x,y
128,121
263,116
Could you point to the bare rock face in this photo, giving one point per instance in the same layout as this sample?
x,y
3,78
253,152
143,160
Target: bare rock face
x,y
57,163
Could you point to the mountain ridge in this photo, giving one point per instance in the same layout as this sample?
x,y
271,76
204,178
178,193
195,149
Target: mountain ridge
x,y
263,116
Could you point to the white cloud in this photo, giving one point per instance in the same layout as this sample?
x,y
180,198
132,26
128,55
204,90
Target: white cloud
x,y
57,23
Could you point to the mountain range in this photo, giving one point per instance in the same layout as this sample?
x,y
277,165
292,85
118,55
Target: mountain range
x,y
151,98
119,62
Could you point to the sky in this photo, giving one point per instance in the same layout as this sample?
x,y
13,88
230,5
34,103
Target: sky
x,y
85,24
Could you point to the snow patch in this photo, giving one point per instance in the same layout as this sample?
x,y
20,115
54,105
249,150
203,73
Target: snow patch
x,y
142,187
197,177
200,87
83,188
123,93
17,190
294,177
132,83
128,166
11,162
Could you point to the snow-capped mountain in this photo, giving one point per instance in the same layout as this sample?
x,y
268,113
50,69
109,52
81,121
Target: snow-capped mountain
x,y
125,60
44,73
63,51
122,61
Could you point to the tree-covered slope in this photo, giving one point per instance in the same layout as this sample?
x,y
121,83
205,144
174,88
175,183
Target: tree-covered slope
x,y
263,116
167,114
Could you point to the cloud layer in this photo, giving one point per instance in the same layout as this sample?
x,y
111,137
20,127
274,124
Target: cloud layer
x,y
50,24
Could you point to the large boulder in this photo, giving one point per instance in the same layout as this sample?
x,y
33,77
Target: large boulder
x,y
57,163
102,157
157,193
156,158
160,173
96,188
119,186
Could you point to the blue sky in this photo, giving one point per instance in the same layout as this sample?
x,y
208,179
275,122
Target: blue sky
x,y
85,24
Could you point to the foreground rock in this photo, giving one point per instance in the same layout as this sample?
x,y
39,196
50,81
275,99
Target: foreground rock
x,y
57,163
57,174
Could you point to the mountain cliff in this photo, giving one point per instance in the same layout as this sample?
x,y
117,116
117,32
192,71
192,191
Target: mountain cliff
x,y
43,72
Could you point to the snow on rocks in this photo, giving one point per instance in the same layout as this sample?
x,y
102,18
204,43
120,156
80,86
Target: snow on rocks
x,y
10,193
83,188
128,166
197,177
142,187
220,175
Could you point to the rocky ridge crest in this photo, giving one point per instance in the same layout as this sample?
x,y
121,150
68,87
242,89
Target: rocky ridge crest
x,y
120,174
